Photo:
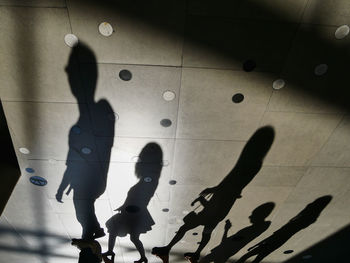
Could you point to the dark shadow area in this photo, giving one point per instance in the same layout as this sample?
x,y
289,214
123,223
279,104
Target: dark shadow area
x,y
90,250
90,143
229,246
301,221
249,30
331,249
222,197
9,167
133,217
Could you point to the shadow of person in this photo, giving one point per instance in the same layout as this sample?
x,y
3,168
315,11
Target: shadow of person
x,y
133,217
229,246
222,197
88,156
304,219
90,250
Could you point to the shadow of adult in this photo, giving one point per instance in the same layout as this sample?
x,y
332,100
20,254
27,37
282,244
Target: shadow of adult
x,y
229,246
90,143
133,217
222,197
304,219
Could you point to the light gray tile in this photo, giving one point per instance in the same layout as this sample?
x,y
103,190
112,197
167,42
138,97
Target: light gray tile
x,y
206,109
220,43
34,3
138,103
304,90
34,54
335,152
327,12
143,33
299,136
204,163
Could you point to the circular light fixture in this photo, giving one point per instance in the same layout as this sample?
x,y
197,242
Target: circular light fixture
x,y
76,129
238,98
195,233
30,170
86,150
165,123
249,65
165,209
278,84
172,182
105,29
37,180
71,40
125,75
289,251
321,69
169,95
342,32
147,179
24,150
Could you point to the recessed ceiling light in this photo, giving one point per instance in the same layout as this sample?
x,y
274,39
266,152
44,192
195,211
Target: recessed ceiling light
x,y
147,179
125,75
278,84
24,150
105,29
249,65
30,170
76,129
289,251
169,95
321,69
172,182
37,180
71,40
165,209
342,32
86,150
237,98
195,233
165,123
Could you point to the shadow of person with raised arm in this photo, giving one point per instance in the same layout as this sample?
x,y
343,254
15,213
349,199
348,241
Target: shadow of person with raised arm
x,y
222,197
133,217
304,219
88,156
229,246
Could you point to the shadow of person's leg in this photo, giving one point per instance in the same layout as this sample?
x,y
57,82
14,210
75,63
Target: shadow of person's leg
x,y
179,235
135,238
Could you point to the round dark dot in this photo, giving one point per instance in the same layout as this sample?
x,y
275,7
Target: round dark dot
x,y
237,98
288,251
125,75
132,209
37,180
172,182
30,170
195,233
249,65
165,123
165,209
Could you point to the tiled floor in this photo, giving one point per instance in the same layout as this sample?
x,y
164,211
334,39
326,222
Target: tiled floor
x,y
194,49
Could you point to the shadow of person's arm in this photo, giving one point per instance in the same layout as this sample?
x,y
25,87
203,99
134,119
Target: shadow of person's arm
x,y
64,184
228,225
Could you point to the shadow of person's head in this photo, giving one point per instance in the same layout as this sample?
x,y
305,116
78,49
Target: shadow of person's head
x,y
150,162
261,212
82,63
